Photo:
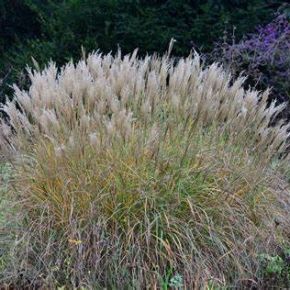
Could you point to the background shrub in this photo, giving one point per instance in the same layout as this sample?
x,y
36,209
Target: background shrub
x,y
58,29
264,57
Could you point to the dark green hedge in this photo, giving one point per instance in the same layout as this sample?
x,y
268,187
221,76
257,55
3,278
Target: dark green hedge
x,y
57,29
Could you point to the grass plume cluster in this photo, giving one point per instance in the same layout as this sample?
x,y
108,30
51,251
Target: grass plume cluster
x,y
132,172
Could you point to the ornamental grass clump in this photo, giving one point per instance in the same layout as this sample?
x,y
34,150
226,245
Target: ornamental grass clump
x,y
142,172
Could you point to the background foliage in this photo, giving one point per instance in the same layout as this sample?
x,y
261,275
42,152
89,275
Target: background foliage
x,y
263,56
57,29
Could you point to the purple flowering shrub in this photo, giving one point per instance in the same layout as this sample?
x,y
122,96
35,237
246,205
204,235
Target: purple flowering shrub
x,y
264,57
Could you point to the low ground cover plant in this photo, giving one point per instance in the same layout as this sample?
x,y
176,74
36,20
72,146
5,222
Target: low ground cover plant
x,y
142,172
276,268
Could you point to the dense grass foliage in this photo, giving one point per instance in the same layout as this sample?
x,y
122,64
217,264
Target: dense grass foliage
x,y
6,209
58,29
123,172
140,173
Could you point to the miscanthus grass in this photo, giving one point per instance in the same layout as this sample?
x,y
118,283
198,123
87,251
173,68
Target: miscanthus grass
x,y
142,173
